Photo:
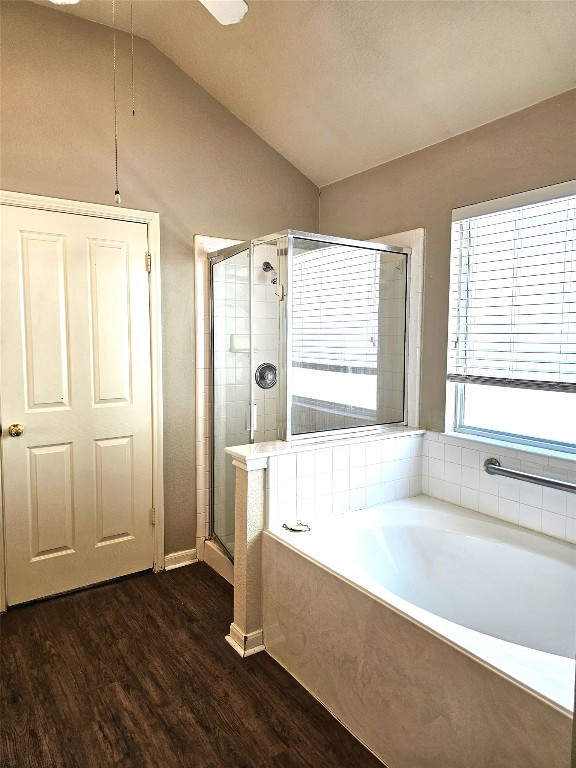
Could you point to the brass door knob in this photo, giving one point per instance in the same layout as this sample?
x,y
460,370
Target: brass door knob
x,y
15,430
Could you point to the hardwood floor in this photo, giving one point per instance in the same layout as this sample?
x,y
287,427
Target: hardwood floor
x,y
136,673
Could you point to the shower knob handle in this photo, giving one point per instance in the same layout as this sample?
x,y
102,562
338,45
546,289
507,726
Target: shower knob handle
x,y
265,375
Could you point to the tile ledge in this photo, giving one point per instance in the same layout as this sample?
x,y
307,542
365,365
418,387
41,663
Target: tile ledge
x,y
247,453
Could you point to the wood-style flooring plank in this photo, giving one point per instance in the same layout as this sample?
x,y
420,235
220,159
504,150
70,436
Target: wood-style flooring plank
x,y
136,674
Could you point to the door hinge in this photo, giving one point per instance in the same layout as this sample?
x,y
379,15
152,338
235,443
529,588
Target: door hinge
x,y
148,262
152,516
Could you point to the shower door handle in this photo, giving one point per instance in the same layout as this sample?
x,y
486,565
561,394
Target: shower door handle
x,y
251,417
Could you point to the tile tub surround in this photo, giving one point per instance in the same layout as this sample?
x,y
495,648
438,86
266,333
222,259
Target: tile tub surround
x,y
310,480
412,698
452,709
313,481
452,470
390,456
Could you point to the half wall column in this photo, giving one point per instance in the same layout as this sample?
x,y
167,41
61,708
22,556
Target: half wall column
x,y
246,635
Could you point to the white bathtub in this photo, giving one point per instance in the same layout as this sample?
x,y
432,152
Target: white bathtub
x,y
502,595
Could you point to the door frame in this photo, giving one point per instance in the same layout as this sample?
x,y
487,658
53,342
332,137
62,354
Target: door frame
x,y
152,221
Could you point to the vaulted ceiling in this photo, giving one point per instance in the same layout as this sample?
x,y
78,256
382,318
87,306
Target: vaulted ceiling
x,y
339,86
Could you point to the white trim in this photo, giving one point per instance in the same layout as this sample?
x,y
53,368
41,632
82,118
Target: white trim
x,y
245,645
152,221
157,392
55,204
531,197
179,559
3,583
450,407
479,442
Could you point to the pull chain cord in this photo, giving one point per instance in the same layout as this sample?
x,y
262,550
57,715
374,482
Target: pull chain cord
x,y
132,46
117,198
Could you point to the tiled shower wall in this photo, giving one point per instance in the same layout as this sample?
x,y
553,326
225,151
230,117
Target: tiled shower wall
x,y
202,247
452,470
230,407
231,382
232,363
265,319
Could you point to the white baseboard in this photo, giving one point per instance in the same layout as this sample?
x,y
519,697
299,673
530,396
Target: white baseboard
x,y
245,645
216,559
178,559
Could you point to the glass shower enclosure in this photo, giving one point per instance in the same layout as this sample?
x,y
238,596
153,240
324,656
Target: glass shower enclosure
x,y
308,337
231,389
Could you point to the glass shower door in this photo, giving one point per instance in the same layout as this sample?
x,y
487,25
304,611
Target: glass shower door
x,y
230,283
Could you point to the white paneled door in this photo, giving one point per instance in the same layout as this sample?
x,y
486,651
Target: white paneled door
x,y
75,375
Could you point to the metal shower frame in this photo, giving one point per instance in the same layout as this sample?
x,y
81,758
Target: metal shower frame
x,y
284,244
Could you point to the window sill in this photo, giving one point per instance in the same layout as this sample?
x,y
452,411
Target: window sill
x,y
511,447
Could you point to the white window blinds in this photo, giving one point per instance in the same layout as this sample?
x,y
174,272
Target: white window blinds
x,y
335,294
513,295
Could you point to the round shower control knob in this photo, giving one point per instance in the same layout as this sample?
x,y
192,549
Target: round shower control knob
x,y
265,375
15,430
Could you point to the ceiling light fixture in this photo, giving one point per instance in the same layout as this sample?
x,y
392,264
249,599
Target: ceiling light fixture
x,y
64,2
224,11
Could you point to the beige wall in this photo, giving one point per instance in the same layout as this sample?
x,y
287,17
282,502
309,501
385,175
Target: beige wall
x,y
532,148
204,171
183,155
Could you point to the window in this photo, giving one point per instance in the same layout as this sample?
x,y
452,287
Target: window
x,y
512,329
347,335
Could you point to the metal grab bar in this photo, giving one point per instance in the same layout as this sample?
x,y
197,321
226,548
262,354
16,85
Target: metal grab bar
x,y
493,467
